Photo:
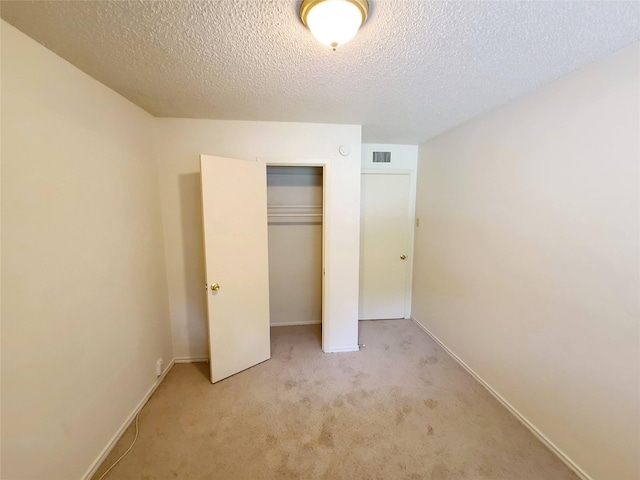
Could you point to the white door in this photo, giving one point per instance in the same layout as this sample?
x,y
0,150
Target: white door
x,y
384,245
234,204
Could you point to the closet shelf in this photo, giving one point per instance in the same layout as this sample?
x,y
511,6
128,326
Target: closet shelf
x,y
294,206
282,213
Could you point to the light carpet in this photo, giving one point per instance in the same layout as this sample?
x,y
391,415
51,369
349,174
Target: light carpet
x,y
401,408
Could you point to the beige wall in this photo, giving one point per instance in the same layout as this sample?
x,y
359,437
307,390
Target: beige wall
x,y
526,259
179,145
85,309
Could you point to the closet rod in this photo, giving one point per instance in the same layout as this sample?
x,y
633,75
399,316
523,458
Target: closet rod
x,y
294,206
294,215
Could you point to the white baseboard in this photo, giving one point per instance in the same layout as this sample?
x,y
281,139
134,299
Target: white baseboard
x,y
381,319
550,445
291,324
342,349
190,359
123,428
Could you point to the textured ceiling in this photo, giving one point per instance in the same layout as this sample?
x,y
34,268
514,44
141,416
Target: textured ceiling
x,y
417,68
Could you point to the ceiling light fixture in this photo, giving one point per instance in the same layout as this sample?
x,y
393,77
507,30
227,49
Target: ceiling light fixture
x,y
334,22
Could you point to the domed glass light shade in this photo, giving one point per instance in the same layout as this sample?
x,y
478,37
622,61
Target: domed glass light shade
x,y
334,22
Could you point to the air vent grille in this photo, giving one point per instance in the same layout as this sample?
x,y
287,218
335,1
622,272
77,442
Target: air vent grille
x,y
381,157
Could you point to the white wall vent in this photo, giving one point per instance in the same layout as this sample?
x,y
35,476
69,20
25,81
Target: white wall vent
x,y
381,157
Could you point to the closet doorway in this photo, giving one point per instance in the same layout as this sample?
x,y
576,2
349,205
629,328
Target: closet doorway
x,y
295,213
236,240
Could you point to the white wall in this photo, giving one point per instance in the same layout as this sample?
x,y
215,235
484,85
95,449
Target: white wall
x,y
403,157
179,143
85,309
527,261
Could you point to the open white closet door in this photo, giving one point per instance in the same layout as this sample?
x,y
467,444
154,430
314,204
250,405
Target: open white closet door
x,y
234,204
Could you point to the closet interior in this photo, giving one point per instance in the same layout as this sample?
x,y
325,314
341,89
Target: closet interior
x,y
295,225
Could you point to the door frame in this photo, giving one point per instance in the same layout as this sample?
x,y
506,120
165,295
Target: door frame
x,y
412,223
326,220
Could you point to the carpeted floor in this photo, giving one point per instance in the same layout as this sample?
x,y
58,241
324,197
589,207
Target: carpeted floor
x,y
400,408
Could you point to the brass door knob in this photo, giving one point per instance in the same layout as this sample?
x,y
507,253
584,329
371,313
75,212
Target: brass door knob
x,y
215,287
403,256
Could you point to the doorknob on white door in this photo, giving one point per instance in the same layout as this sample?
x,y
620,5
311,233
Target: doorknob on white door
x,y
403,256
215,287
